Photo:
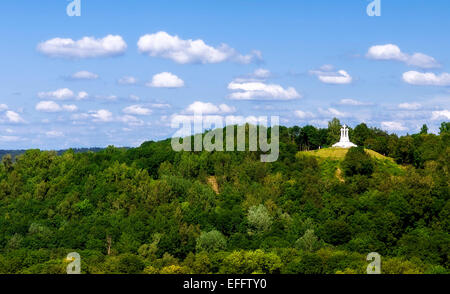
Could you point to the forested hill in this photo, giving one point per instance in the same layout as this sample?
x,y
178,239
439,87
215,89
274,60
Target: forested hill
x,y
15,153
152,210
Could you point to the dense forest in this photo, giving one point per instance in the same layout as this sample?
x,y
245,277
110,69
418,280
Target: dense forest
x,y
155,211
14,153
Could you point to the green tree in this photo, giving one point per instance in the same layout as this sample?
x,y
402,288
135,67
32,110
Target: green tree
x,y
212,241
444,128
308,242
424,130
357,162
334,131
259,219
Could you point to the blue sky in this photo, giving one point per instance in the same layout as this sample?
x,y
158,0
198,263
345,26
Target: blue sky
x,y
62,78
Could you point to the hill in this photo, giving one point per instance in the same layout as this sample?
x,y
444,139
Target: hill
x,y
330,160
153,210
339,153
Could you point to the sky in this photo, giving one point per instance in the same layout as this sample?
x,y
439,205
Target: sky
x,y
122,71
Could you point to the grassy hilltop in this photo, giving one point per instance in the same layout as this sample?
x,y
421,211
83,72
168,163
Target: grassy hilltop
x,y
339,153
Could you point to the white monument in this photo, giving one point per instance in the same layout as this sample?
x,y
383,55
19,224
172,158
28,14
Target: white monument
x,y
345,141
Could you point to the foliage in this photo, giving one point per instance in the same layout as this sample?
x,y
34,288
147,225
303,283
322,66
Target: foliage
x,y
212,241
155,211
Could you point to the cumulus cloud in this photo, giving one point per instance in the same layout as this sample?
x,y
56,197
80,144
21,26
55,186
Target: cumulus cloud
x,y
410,106
59,94
82,95
258,90
393,52
131,120
166,80
137,110
70,108
101,115
13,117
3,107
393,126
442,114
162,44
426,79
63,94
328,76
87,47
353,102
160,105
212,119
209,108
332,112
50,106
303,114
127,80
84,75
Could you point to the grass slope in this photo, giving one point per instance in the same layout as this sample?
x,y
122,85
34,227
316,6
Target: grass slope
x,y
330,162
339,153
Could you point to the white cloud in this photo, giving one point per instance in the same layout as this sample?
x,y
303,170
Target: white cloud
x,y
442,114
80,116
137,110
13,117
327,67
209,108
261,91
166,80
211,119
3,107
63,94
261,73
410,106
327,76
101,115
127,80
163,45
393,52
353,102
240,120
393,126
332,112
426,79
82,95
84,75
87,47
70,108
54,134
303,114
59,94
160,105
131,120
50,106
